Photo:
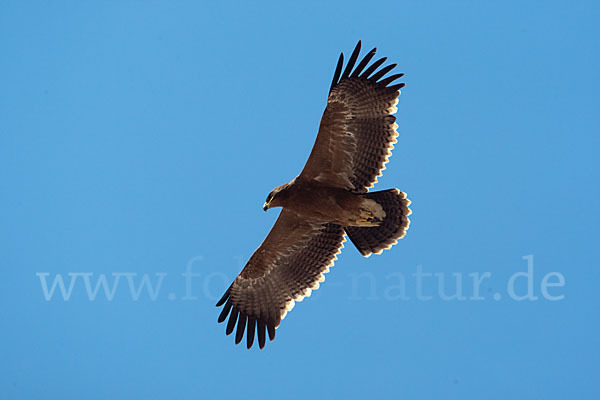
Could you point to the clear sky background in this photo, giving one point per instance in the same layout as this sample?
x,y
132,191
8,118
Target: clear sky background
x,y
142,137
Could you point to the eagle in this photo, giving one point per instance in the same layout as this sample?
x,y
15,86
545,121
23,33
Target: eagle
x,y
328,200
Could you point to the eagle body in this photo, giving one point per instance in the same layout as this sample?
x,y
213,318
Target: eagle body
x,y
328,201
318,203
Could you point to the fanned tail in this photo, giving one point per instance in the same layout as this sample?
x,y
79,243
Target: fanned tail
x,y
375,239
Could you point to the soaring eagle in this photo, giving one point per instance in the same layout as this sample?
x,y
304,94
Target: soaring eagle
x,y
328,200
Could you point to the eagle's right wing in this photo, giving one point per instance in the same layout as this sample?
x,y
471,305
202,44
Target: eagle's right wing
x,y
357,130
286,267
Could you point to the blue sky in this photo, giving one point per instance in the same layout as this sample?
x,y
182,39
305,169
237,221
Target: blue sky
x,y
140,138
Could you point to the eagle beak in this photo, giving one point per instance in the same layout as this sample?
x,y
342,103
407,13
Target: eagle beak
x,y
267,203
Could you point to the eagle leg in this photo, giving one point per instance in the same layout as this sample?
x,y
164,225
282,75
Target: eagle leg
x,y
367,218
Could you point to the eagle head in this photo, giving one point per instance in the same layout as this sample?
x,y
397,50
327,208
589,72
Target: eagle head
x,y
274,199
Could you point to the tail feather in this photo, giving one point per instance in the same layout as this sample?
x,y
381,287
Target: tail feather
x,y
375,239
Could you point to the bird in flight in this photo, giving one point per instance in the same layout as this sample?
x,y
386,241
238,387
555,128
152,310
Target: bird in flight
x,y
327,201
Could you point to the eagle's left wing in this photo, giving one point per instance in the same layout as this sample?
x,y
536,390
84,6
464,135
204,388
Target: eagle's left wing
x,y
357,130
286,267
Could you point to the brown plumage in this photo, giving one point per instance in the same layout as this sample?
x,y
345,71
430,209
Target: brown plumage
x,y
328,200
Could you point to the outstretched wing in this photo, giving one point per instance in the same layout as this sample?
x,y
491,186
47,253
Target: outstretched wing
x,y
286,267
357,130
